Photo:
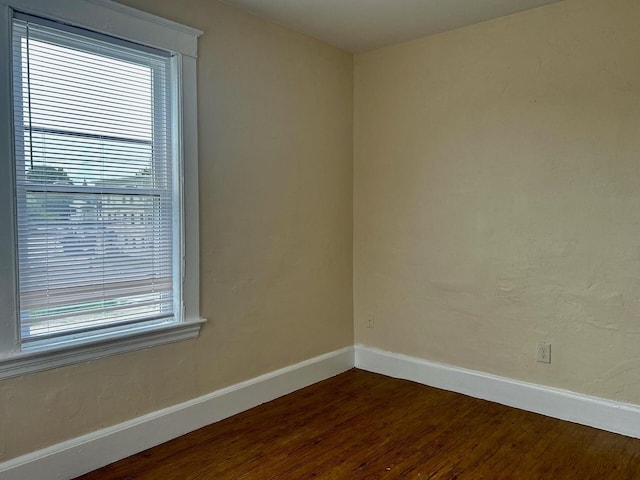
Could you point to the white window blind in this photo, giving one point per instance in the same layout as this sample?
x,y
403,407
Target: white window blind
x,y
94,184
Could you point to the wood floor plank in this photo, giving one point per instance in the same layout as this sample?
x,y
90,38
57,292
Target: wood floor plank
x,y
360,425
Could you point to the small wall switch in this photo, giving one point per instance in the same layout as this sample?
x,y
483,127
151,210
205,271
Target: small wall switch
x,y
544,352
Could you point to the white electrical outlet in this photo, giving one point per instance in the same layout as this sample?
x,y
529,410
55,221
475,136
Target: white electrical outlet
x,y
544,352
370,320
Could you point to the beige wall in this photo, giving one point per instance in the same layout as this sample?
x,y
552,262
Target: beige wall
x,y
275,113
497,196
496,199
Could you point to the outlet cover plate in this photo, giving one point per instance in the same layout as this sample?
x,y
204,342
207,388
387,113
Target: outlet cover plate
x,y
544,352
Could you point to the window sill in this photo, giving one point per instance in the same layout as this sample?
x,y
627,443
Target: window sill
x,y
21,363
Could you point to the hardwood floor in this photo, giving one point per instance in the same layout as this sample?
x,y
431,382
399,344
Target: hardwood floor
x,y
361,425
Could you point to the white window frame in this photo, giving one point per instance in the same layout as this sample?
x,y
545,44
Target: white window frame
x,y
102,16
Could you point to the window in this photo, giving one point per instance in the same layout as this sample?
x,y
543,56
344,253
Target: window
x,y
100,259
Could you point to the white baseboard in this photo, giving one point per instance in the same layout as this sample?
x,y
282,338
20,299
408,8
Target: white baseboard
x,y
86,453
617,417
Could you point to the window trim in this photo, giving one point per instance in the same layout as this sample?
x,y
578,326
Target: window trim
x,y
102,16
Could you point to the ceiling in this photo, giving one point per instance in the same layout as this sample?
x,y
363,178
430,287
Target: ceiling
x,y
361,25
